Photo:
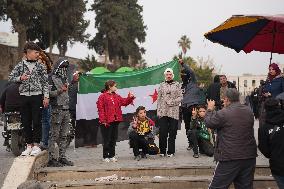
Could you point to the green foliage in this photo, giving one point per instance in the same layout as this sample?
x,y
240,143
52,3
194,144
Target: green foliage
x,y
49,21
203,68
184,43
120,28
89,63
56,26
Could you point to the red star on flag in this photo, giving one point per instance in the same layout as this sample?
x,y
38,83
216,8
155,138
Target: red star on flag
x,y
154,96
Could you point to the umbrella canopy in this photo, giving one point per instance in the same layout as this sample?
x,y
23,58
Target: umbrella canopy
x,y
251,33
99,70
124,69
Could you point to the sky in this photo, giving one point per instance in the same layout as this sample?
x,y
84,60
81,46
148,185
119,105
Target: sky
x,y
168,20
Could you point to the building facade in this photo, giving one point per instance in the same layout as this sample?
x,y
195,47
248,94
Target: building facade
x,y
247,82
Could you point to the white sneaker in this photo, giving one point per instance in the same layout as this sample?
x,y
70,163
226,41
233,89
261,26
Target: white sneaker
x,y
162,155
28,151
35,151
170,155
106,160
113,159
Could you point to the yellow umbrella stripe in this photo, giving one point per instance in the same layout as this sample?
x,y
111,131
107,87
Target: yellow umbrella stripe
x,y
233,22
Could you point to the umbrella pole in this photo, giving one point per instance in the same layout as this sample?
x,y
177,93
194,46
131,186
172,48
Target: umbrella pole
x,y
273,41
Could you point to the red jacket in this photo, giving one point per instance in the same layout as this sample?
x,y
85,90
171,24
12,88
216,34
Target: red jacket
x,y
109,107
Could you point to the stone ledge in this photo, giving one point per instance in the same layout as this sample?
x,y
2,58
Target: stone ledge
x,y
23,169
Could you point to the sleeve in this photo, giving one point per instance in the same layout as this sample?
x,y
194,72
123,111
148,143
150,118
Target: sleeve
x,y
189,72
214,119
193,124
263,142
3,99
45,85
125,101
15,75
130,129
159,99
101,109
54,92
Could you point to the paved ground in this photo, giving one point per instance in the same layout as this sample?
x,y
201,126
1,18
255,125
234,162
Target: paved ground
x,y
6,158
92,157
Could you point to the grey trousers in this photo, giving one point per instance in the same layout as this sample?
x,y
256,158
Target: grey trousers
x,y
239,172
58,133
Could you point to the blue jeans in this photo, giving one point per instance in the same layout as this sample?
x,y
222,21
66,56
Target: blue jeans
x,y
279,180
46,122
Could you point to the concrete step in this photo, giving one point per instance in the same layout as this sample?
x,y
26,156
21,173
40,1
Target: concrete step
x,y
260,182
83,173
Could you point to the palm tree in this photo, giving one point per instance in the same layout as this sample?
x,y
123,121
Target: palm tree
x,y
184,43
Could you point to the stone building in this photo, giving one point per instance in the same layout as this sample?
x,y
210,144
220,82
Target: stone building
x,y
247,82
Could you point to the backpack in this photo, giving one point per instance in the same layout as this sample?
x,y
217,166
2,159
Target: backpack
x,y
152,148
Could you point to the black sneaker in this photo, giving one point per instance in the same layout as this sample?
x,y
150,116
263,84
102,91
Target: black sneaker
x,y
189,147
138,158
6,142
143,155
66,162
54,163
195,155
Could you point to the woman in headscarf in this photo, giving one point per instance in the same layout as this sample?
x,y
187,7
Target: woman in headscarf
x,y
273,86
275,82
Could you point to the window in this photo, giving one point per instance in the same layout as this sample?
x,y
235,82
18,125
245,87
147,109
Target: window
x,y
245,83
253,83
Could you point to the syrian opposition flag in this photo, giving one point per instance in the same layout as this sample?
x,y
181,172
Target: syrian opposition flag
x,y
143,84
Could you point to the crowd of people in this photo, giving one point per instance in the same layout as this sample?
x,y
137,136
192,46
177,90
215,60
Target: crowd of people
x,y
216,123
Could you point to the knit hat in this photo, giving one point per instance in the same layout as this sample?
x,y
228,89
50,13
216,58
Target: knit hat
x,y
169,70
271,104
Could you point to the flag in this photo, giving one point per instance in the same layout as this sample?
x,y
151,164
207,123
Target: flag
x,y
143,84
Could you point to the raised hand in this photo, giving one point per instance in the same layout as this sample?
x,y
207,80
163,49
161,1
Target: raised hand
x,y
194,113
210,104
135,121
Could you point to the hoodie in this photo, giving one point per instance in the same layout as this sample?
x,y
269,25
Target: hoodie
x,y
37,83
192,93
58,78
273,147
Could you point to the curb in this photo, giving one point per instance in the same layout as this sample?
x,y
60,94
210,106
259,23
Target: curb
x,y
23,169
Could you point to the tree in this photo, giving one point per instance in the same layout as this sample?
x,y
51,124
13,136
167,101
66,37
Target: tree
x,y
55,26
184,43
22,14
89,63
120,28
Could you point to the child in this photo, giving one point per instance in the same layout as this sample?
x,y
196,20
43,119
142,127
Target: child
x,y
140,132
110,115
199,134
59,101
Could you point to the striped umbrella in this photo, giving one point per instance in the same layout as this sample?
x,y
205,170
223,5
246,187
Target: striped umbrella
x,y
251,33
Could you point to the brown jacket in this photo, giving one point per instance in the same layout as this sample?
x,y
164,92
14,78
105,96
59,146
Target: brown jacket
x,y
235,132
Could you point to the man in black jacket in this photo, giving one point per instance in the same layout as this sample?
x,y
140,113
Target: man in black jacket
x,y
270,139
217,89
235,149
10,101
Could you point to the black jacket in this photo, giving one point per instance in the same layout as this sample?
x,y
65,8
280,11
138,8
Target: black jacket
x,y
213,92
273,148
10,99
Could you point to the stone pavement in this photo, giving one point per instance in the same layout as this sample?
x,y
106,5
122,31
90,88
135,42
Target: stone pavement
x,y
6,158
92,157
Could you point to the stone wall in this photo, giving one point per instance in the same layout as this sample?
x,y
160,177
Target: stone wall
x,y
8,60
